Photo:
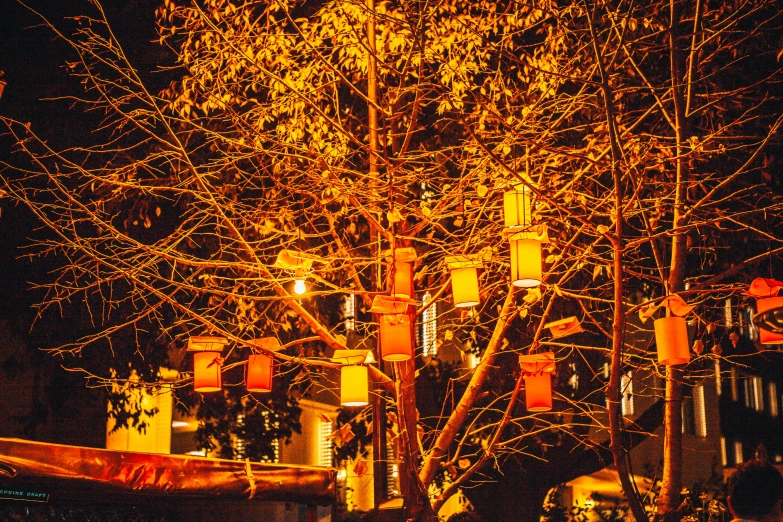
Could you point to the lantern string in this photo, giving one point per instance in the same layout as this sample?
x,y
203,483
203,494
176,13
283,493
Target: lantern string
x,y
251,479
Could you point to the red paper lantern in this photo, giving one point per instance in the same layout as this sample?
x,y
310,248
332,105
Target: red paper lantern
x,y
538,391
206,372
402,280
762,305
396,343
260,369
671,340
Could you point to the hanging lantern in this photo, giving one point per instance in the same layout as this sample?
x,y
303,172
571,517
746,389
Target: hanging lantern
x,y
260,367
298,264
464,280
400,274
538,370
518,207
395,327
671,339
563,327
766,293
207,363
354,377
525,261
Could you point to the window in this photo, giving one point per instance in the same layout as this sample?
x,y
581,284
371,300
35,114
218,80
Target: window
x,y
734,387
699,412
724,459
687,416
747,393
239,442
392,471
325,442
626,393
772,391
755,389
429,327
753,330
718,379
349,312
727,318
738,458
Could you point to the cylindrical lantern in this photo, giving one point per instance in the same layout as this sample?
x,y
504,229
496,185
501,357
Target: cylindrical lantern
x,y
518,208
671,339
762,305
525,262
353,386
259,373
206,372
402,284
396,342
538,391
465,287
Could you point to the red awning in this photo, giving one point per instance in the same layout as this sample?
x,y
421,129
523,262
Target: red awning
x,y
98,473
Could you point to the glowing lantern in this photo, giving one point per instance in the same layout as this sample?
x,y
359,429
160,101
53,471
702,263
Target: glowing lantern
x,y
766,293
563,327
298,264
464,280
525,260
395,327
518,207
260,367
207,363
537,370
354,378
400,276
671,332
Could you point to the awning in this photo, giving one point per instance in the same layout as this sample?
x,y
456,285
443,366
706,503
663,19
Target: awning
x,y
72,470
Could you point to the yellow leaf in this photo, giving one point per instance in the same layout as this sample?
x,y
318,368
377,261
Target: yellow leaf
x,y
481,190
394,216
597,269
523,313
448,335
464,463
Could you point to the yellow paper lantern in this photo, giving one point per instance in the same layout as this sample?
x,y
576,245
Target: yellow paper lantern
x,y
538,391
518,207
671,340
206,372
525,262
465,287
354,387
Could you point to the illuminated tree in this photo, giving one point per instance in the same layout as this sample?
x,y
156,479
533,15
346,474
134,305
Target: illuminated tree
x,y
342,129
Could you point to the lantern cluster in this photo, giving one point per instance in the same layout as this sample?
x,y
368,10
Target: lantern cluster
x,y
537,369
208,364
768,301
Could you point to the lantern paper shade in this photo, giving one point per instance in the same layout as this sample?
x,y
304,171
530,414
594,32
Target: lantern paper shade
x,y
396,342
465,287
525,262
206,372
353,386
671,339
402,284
762,305
538,391
517,208
259,373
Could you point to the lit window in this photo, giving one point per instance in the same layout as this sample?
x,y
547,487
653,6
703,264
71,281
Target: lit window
x,y
755,387
772,390
626,391
747,388
724,459
392,471
239,442
727,318
325,443
699,412
733,382
349,312
275,443
718,379
738,459
429,327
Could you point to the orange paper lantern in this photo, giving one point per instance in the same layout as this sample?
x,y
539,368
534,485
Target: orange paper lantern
x,y
354,389
206,372
762,305
671,339
518,207
402,281
260,369
465,287
538,391
525,262
396,342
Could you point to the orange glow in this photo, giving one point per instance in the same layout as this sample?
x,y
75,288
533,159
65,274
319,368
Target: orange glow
x,y
525,262
671,339
402,285
206,372
538,391
465,287
260,370
762,305
517,208
396,342
354,386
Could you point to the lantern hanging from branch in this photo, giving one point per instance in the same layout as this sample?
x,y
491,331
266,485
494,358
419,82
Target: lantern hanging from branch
x,y
518,207
671,332
260,367
354,378
537,369
564,327
400,273
395,327
299,265
464,279
207,363
526,258
767,294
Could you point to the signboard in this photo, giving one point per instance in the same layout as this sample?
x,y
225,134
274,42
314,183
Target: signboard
x,y
19,494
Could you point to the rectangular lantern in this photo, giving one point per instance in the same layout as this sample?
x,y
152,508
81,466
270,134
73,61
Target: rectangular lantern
x,y
464,279
354,389
396,342
671,340
400,272
518,207
762,305
260,369
525,261
207,363
538,391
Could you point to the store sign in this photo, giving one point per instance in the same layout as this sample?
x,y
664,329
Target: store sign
x,y
18,494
